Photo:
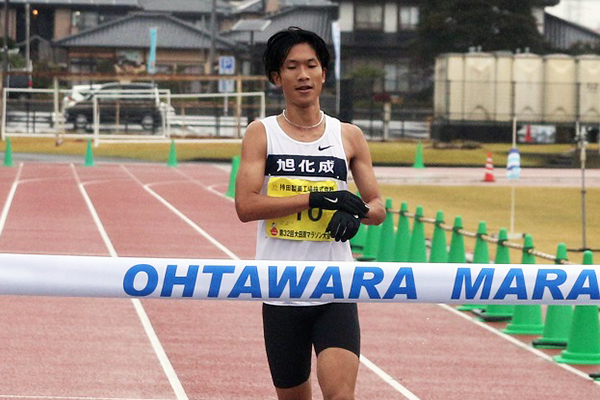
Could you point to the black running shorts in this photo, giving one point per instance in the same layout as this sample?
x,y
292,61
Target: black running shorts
x,y
290,332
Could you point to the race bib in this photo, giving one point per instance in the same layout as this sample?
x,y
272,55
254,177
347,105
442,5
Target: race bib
x,y
306,225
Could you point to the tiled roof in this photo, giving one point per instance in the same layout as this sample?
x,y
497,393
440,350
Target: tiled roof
x,y
309,18
123,3
184,6
133,30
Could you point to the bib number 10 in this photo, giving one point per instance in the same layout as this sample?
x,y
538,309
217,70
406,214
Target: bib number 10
x,y
311,214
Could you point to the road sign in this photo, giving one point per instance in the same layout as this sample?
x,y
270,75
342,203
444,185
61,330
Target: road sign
x,y
226,65
226,86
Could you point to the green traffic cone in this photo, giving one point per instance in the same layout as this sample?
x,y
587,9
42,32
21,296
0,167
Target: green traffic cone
x,y
527,319
235,166
8,158
419,157
418,248
402,243
499,312
457,243
583,346
172,155
372,243
439,250
89,155
480,256
357,243
558,318
386,246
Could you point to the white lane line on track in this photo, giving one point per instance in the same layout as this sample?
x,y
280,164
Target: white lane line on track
x,y
364,360
181,215
9,199
137,304
6,396
387,378
518,343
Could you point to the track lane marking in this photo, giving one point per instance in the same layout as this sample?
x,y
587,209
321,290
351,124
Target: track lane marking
x,y
137,304
181,215
5,396
519,344
365,361
9,199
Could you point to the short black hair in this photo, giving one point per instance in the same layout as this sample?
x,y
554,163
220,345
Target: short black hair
x,y
280,44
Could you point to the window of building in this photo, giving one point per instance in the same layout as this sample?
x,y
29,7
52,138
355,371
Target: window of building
x,y
408,18
83,20
400,77
368,17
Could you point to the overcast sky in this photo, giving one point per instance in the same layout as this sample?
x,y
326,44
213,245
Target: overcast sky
x,y
583,12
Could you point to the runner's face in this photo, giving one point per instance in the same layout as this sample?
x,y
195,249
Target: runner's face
x,y
301,75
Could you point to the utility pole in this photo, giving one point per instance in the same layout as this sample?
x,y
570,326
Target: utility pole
x,y
213,34
28,37
5,45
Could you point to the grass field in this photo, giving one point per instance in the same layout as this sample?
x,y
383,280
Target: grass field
x,y
550,215
383,153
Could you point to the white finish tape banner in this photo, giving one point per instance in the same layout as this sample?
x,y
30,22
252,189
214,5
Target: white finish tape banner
x,y
75,276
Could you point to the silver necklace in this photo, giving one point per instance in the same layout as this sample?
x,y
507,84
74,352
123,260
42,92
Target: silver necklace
x,y
304,126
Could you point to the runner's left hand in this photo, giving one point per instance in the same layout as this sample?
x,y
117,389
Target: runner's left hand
x,y
343,226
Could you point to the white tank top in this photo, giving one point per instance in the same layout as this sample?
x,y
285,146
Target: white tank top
x,y
294,167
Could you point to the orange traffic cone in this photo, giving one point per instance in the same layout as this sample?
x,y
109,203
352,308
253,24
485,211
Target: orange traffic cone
x,y
489,169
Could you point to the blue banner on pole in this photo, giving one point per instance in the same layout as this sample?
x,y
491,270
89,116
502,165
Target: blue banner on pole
x,y
152,56
513,165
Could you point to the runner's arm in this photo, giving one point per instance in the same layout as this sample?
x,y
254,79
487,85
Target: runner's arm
x,y
361,166
250,204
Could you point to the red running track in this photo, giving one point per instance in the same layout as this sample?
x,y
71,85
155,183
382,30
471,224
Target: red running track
x,y
92,349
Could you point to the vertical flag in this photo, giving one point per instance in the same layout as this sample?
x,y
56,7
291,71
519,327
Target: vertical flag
x,y
335,36
152,57
337,47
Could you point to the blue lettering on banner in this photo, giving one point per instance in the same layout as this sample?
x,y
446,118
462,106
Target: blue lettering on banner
x,y
188,281
289,276
463,279
542,282
506,288
249,273
410,290
359,281
151,282
217,272
579,288
331,274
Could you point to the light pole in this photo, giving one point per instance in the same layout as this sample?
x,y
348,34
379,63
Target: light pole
x,y
5,44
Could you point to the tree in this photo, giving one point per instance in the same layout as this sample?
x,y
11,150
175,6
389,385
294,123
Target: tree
x,y
489,25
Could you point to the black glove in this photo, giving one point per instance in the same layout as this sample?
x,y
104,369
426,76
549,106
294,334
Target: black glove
x,y
339,200
343,226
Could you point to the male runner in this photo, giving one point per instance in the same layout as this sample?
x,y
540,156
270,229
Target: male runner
x,y
293,179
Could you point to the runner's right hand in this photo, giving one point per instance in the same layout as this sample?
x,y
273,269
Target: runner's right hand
x,y
339,200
